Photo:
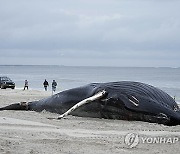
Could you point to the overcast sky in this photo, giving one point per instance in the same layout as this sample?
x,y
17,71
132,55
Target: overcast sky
x,y
90,32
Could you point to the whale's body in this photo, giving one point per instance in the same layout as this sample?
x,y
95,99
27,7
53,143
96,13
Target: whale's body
x,y
125,100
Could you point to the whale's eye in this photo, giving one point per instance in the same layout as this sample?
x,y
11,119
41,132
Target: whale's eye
x,y
163,115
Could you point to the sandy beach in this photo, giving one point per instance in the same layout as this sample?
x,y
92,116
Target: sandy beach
x,y
29,132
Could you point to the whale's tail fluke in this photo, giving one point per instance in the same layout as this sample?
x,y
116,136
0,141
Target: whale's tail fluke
x,y
16,106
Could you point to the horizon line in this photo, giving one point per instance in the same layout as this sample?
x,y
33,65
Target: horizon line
x,y
87,66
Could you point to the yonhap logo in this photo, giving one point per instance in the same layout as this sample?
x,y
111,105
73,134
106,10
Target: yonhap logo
x,y
160,140
133,139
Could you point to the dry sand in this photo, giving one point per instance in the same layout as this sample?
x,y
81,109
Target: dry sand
x,y
29,132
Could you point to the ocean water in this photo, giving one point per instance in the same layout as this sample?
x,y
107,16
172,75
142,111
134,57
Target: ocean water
x,y
167,79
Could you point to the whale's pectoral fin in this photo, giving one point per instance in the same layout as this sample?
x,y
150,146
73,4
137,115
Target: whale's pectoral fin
x,y
97,96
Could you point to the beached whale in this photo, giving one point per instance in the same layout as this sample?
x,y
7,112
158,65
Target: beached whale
x,y
125,100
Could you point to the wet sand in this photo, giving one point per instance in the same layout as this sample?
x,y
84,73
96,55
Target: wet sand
x,y
29,132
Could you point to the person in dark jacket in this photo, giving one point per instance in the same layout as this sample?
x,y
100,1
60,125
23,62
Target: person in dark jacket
x,y
46,84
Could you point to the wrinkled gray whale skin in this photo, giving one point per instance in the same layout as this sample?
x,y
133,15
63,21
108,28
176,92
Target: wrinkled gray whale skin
x,y
124,100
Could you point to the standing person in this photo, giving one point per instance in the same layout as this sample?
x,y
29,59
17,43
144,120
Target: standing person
x,y
46,84
26,84
54,84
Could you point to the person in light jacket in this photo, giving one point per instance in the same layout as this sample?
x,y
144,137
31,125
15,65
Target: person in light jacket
x,y
26,84
54,84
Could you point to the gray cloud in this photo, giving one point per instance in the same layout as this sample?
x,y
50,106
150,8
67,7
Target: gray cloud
x,y
103,32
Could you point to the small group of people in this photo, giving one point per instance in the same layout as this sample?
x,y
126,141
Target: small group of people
x,y
46,84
